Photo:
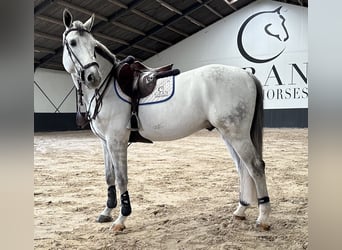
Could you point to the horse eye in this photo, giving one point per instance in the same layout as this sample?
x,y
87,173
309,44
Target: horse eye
x,y
73,42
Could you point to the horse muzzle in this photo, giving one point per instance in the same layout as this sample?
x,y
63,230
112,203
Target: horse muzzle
x,y
90,75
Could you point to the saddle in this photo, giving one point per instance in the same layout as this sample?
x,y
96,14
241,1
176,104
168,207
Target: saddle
x,y
137,81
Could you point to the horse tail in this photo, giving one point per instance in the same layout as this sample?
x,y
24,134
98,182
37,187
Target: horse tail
x,y
256,132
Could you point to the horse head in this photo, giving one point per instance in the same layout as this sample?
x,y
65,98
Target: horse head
x,y
277,28
79,51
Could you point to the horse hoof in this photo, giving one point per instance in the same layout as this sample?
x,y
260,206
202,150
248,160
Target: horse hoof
x,y
237,217
104,218
263,226
118,228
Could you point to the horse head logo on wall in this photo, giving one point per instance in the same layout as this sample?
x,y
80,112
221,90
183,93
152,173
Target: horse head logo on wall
x,y
262,36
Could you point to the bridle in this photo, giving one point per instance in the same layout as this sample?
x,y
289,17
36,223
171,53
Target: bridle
x,y
73,56
83,120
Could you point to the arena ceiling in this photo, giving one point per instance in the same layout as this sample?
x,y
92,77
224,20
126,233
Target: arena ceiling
x,y
141,28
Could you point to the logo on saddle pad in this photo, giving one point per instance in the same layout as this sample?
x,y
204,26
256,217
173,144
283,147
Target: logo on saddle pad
x,y
164,90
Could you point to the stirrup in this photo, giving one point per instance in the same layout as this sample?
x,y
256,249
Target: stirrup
x,y
134,123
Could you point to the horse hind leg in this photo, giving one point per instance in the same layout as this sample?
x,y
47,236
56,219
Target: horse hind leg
x,y
255,167
247,186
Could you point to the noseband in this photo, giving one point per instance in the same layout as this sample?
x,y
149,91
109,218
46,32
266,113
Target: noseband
x,y
73,56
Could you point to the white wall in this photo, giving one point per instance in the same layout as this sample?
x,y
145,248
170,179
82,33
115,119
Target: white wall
x,y
283,78
56,85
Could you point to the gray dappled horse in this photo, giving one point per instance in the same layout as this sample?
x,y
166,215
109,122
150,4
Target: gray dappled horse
x,y
214,96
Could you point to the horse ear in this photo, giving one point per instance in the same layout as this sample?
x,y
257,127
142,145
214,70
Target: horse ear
x,y
89,23
67,18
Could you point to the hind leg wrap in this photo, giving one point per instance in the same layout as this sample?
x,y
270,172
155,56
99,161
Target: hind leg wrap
x,y
263,200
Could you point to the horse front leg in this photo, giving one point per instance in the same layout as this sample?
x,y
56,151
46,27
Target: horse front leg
x,y
118,153
111,203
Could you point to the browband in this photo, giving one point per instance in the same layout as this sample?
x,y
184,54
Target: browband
x,y
75,29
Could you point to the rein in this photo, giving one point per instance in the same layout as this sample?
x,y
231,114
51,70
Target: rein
x,y
83,120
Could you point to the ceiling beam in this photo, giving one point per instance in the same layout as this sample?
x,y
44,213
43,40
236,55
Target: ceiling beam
x,y
96,34
213,11
80,9
230,4
117,3
116,15
48,36
173,9
126,27
50,19
194,21
101,17
144,49
42,6
160,40
145,16
43,50
169,7
149,18
177,31
167,24
109,38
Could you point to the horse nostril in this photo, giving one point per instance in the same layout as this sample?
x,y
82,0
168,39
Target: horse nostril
x,y
90,78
